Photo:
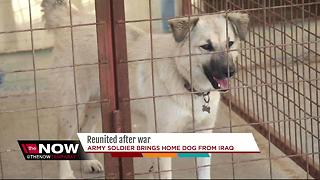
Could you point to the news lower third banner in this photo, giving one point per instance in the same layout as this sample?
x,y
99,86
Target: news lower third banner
x,y
52,150
154,145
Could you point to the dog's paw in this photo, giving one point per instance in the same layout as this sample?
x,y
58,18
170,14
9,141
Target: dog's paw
x,y
92,166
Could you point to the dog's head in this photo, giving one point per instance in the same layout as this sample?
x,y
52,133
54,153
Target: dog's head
x,y
216,38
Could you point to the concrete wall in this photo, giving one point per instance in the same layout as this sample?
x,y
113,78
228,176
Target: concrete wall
x,y
139,10
14,16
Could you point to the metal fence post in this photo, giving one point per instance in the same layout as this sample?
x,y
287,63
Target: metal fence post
x,y
120,45
186,7
114,83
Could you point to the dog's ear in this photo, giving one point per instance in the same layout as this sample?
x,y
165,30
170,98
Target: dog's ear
x,y
240,21
181,26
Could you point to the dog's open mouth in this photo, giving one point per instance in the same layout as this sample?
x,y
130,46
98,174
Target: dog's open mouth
x,y
220,84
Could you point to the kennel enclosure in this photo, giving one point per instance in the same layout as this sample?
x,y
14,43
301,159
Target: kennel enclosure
x,y
276,89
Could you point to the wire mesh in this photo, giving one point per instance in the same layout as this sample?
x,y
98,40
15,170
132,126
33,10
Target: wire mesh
x,y
279,82
40,88
275,90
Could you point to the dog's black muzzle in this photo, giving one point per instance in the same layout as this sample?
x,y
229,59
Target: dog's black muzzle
x,y
219,70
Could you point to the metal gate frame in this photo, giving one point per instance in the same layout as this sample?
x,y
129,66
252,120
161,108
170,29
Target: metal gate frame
x,y
114,83
262,128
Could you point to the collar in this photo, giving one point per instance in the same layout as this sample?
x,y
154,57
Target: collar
x,y
205,96
187,85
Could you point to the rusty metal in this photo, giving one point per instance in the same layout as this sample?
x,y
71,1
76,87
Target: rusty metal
x,y
186,7
114,80
107,78
120,45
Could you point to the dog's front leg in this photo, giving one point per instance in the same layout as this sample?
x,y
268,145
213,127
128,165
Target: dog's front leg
x,y
66,128
203,168
165,168
90,116
204,164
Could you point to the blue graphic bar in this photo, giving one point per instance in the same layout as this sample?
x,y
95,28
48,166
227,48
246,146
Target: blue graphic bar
x,y
193,155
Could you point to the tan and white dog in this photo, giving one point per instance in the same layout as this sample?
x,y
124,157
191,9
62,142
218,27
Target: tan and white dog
x,y
212,39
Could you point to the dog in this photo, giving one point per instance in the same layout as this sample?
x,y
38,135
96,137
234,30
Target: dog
x,y
214,50
194,83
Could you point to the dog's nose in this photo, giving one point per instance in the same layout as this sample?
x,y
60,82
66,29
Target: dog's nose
x,y
222,66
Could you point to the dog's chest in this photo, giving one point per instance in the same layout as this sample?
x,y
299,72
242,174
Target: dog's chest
x,y
180,113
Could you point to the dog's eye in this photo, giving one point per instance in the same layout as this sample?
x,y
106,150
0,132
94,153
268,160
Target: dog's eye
x,y
207,47
230,43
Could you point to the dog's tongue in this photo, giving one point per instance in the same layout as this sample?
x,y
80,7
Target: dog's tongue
x,y
223,83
